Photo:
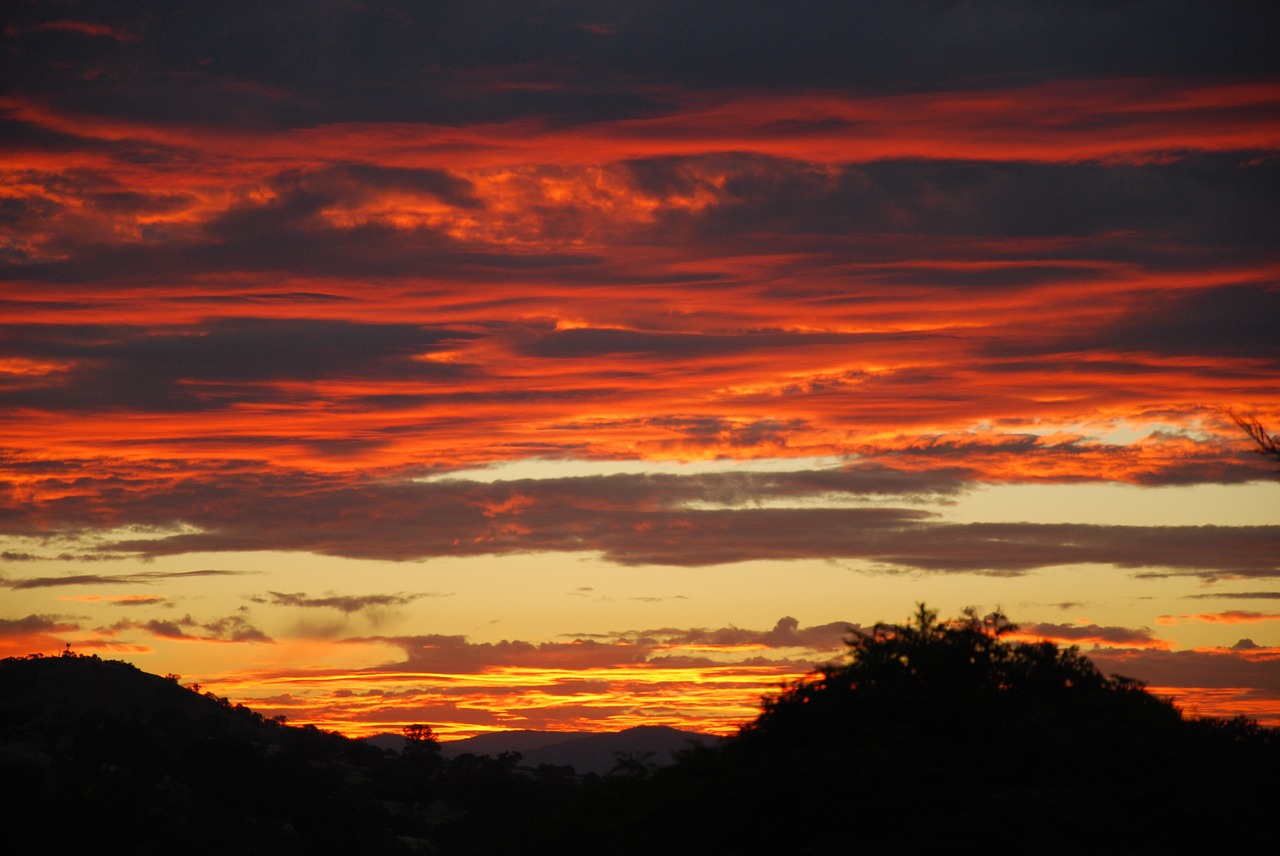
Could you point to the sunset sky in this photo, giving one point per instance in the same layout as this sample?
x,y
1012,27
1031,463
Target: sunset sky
x,y
572,365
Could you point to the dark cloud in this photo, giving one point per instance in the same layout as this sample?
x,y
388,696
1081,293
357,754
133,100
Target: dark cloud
x,y
1211,463
21,136
356,183
214,365
454,654
342,603
137,600
1209,668
1207,551
1186,211
1236,595
280,228
786,633
1076,634
293,63
636,520
585,342
34,624
138,578
1224,321
232,628
154,500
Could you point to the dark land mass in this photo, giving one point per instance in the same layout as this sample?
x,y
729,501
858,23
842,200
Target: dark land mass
x,y
930,736
654,745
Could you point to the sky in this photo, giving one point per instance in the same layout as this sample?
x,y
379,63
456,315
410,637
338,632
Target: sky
x,y
577,366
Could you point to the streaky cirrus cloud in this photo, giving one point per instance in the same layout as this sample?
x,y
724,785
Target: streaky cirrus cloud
x,y
342,603
1237,595
137,578
119,600
1231,616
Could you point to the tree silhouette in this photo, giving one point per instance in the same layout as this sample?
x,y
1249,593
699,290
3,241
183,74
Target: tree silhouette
x,y
965,660
419,736
929,727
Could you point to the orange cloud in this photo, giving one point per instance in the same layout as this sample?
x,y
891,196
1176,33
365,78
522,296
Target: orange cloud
x,y
1224,702
702,698
1233,616
1092,634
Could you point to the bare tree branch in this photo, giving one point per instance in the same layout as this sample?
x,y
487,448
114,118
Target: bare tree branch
x,y
1268,444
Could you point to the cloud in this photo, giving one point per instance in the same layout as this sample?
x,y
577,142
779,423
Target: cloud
x,y
1081,634
631,519
375,609
121,600
227,361
1236,595
1194,197
35,625
34,633
1233,616
294,65
786,633
592,343
138,578
342,603
1257,668
672,647
231,628
1226,320
454,654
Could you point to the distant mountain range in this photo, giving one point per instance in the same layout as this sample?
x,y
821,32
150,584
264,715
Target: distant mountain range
x,y
587,752
65,688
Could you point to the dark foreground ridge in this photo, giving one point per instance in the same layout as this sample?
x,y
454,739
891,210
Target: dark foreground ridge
x,y
929,735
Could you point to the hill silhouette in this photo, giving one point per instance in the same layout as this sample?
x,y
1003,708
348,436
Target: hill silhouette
x,y
929,735
98,756
595,752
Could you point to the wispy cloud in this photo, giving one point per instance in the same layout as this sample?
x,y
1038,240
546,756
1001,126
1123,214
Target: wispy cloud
x,y
231,628
138,578
342,603
1232,616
